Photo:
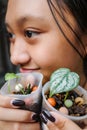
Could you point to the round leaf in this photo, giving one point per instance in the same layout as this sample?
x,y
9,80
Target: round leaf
x,y
9,76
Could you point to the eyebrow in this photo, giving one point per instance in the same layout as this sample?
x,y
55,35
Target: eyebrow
x,y
23,19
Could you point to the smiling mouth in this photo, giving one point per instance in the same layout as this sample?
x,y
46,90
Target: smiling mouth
x,y
25,70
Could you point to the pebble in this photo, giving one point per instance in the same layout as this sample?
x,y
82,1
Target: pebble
x,y
52,101
68,103
18,87
79,101
64,110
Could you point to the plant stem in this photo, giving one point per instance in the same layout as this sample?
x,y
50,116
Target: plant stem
x,y
66,95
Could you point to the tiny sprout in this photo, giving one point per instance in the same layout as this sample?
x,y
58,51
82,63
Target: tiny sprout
x,y
9,76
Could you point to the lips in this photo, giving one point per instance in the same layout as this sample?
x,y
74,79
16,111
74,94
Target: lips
x,y
25,70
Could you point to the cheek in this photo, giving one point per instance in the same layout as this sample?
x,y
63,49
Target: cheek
x,y
45,56
54,57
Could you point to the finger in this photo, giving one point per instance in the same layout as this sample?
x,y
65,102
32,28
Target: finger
x,y
45,118
11,102
18,126
7,114
5,101
27,126
61,123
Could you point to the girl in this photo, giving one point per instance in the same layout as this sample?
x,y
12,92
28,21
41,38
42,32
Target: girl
x,y
44,36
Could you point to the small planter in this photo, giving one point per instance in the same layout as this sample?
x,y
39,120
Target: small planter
x,y
79,90
33,99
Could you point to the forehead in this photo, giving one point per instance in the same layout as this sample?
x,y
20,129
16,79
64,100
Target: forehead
x,y
21,8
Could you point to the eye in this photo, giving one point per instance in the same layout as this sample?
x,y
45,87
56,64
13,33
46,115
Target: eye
x,y
10,35
30,34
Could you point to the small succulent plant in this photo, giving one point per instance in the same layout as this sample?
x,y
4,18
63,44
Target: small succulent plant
x,y
63,80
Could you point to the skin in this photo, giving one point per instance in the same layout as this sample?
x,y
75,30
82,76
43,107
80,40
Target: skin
x,y
47,49
61,123
44,51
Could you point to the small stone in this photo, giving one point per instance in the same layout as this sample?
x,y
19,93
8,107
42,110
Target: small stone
x,y
79,101
18,87
68,103
52,101
64,110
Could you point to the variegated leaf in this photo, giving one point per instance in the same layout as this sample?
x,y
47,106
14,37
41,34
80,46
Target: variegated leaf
x,y
62,80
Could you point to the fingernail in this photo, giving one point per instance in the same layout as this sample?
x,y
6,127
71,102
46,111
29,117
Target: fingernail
x,y
48,115
18,102
35,117
43,118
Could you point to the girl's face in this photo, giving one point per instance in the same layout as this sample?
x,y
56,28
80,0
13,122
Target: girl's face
x,y
37,44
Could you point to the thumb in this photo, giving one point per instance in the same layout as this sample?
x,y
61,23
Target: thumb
x,y
61,123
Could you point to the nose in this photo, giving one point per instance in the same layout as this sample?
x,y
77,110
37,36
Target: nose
x,y
19,52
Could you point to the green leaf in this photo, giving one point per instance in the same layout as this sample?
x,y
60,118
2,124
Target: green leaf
x,y
28,91
9,76
63,80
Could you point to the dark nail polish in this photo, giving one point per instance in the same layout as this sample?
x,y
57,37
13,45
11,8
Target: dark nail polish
x,y
48,115
43,118
35,117
18,102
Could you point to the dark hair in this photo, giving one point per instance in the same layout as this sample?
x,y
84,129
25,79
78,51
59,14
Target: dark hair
x,y
78,9
5,64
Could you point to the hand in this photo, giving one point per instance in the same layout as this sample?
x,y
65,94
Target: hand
x,y
4,125
12,118
55,121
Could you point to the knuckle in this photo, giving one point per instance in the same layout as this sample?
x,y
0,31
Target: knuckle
x,y
17,126
5,102
25,116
